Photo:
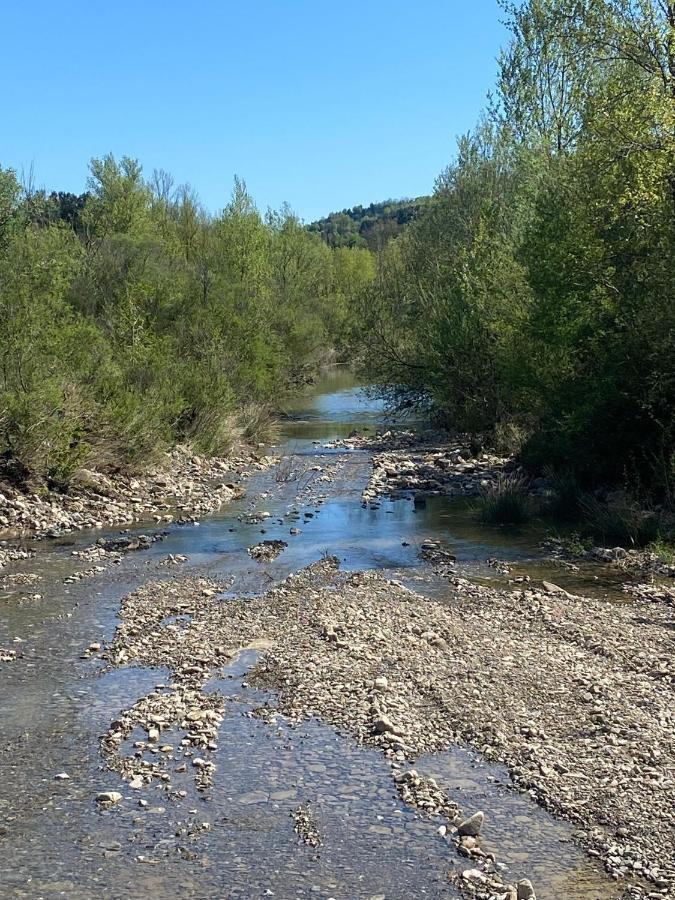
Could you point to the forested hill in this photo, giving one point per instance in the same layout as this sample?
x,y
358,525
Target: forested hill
x,y
368,226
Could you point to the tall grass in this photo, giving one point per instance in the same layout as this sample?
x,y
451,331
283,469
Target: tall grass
x,y
507,502
624,523
567,495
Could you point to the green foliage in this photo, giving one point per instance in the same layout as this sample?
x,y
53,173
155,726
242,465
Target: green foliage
x,y
574,544
368,227
9,196
535,288
118,201
664,550
131,320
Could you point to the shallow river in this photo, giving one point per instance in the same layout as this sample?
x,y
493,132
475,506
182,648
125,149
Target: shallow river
x,y
237,840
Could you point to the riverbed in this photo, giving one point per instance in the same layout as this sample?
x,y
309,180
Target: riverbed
x,y
237,840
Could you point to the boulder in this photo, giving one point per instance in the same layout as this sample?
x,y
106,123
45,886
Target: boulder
x,y
525,890
471,827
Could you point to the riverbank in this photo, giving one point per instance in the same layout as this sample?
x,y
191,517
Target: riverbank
x,y
184,485
438,464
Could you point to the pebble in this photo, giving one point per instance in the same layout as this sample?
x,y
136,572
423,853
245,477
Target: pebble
x,y
110,797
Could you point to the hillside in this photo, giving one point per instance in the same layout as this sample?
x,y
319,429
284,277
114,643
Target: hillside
x,y
368,226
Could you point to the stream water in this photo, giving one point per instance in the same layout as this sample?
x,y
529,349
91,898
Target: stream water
x,y
237,840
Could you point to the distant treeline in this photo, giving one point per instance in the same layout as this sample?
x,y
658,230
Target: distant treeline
x,y
131,319
368,226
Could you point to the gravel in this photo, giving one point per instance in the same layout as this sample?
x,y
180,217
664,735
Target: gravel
x,y
573,695
450,469
183,486
306,826
266,551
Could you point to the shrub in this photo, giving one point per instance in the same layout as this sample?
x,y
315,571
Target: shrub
x,y
509,437
620,523
507,502
567,494
153,324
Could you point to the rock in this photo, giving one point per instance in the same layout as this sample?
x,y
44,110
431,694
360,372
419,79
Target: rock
x,y
381,683
110,797
62,776
525,890
471,827
383,725
267,550
474,875
551,588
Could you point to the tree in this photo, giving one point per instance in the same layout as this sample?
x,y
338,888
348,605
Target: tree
x,y
119,197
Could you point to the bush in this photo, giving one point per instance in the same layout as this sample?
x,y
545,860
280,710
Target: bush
x,y
507,502
508,438
44,431
664,549
622,523
567,495
152,323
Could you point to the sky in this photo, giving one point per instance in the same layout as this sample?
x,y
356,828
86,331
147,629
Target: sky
x,y
321,105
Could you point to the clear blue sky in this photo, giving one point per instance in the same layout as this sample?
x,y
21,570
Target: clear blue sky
x,y
322,104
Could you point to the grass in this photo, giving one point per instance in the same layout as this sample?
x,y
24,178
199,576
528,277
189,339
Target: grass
x,y
564,505
573,544
664,550
624,524
507,502
625,521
